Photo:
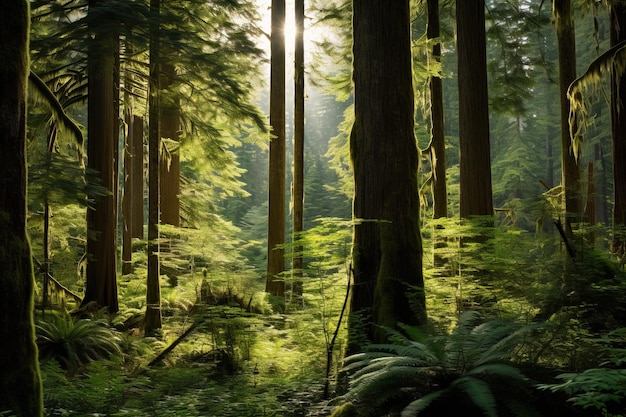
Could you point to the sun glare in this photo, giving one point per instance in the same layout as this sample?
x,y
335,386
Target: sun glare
x,y
290,31
311,32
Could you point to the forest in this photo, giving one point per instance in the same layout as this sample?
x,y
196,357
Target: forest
x,y
313,208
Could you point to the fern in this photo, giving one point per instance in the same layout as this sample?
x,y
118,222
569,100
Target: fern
x,y
75,343
473,363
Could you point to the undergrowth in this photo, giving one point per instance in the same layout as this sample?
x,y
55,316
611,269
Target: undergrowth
x,y
242,359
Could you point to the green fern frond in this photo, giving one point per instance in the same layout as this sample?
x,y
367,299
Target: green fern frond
x,y
412,349
472,361
499,370
402,376
479,392
419,405
76,343
504,347
384,387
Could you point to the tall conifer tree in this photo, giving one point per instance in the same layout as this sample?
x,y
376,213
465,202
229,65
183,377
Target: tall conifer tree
x,y
387,246
570,173
474,148
20,382
298,147
276,219
153,294
101,281
438,143
617,12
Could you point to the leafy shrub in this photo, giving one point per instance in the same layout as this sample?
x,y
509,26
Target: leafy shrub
x,y
74,343
604,388
468,369
597,388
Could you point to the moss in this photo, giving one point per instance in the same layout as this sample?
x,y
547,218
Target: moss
x,y
345,410
20,384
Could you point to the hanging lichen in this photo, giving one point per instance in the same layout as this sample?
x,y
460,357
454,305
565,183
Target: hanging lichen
x,y
589,85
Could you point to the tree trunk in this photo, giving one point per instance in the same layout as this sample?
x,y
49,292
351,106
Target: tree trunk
x,y
46,255
138,177
298,150
618,133
170,160
602,211
20,383
153,293
169,175
132,200
474,148
387,246
438,142
570,174
590,207
275,285
101,281
437,146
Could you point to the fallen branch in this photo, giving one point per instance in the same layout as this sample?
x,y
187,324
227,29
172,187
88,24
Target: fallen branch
x,y
175,343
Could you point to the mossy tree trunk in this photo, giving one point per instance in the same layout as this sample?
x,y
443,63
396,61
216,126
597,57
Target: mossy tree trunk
x,y
101,281
387,247
474,149
618,132
275,285
570,172
20,380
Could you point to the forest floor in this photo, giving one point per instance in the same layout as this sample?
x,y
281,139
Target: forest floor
x,y
214,360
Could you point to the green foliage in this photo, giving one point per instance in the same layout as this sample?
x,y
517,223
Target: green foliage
x,y
514,57
597,388
602,388
73,343
418,373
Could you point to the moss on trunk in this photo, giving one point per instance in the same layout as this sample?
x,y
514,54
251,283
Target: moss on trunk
x,y
387,246
20,382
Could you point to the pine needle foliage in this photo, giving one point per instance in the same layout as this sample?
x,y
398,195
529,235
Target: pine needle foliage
x,y
469,367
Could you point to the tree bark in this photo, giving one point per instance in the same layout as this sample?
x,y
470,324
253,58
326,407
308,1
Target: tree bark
x,y
570,173
298,150
101,281
618,132
169,175
132,199
138,177
474,148
387,246
437,146
602,211
152,320
275,285
438,142
20,384
170,159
